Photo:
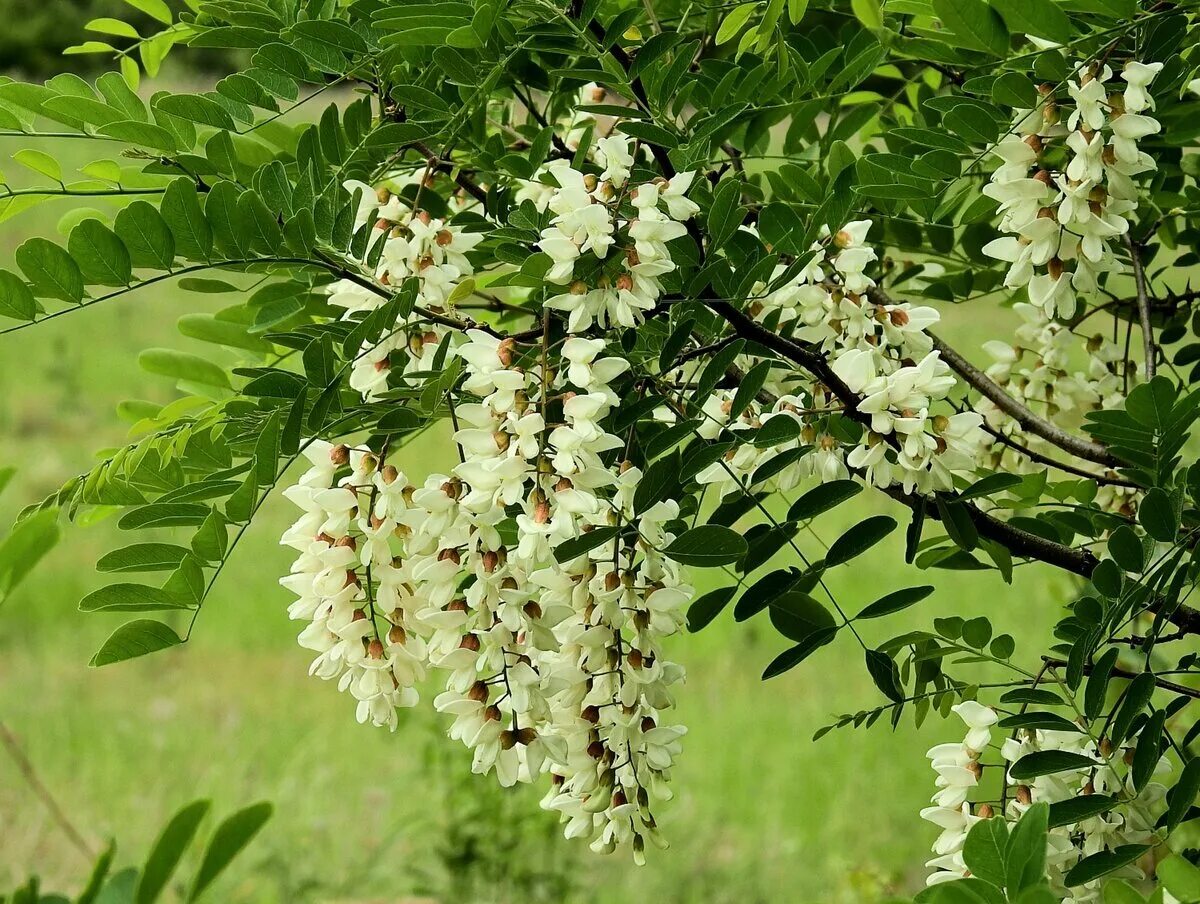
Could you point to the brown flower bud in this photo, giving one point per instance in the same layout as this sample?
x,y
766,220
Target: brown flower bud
x,y
478,692
339,454
625,282
532,610
985,811
1024,795
375,648
490,560
469,642
508,739
578,287
397,635
458,605
389,474
1054,267
526,736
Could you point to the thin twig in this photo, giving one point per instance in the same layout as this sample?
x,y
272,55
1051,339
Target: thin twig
x,y
1143,303
25,767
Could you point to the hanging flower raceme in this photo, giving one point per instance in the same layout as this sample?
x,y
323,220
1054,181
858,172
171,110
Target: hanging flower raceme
x,y
957,804
1064,219
882,352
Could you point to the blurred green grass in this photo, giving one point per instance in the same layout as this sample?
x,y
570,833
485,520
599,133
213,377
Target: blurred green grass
x,y
762,814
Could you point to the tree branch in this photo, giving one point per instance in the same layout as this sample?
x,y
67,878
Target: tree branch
x,y
1033,423
1143,304
1020,542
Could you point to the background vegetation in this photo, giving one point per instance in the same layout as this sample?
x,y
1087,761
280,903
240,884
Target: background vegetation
x,y
361,815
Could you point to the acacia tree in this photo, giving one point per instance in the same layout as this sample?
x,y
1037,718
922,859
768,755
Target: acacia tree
x,y
672,274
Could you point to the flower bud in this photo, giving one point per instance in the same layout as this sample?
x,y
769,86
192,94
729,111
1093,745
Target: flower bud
x,y
397,635
469,642
984,811
375,648
508,739
339,454
478,692
389,474
1024,795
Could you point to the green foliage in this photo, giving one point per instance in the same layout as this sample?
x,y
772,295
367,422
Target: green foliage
x,y
147,883
889,111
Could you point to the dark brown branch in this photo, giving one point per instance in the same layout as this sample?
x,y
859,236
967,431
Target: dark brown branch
x,y
1020,542
1125,673
1049,462
1031,422
463,180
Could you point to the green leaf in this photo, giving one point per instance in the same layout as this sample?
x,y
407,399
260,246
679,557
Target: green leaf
x,y
163,514
883,671
1040,18
142,557
975,25
1095,693
129,598
707,546
50,269
793,656
39,162
182,366
107,26
1025,854
196,108
1050,762
734,21
156,9
701,612
1156,513
895,602
1147,752
146,134
1103,863
584,543
1076,809
164,857
990,486
29,540
1137,698
180,207
101,256
1183,794
868,12
133,639
1180,878
859,539
797,616
796,10
227,842
146,236
725,215
983,851
16,300
956,518
1125,546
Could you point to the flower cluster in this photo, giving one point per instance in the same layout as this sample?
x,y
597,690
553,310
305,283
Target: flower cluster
x,y
1065,185
417,246
960,769
882,352
608,238
551,666
1041,368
